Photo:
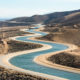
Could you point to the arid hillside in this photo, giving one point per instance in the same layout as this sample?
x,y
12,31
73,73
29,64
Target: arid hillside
x,y
70,35
54,18
63,35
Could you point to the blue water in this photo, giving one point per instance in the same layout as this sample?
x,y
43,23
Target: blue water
x,y
26,61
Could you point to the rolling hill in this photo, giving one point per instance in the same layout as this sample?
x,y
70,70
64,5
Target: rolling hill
x,y
61,18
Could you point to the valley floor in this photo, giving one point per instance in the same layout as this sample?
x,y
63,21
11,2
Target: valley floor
x,y
43,59
16,46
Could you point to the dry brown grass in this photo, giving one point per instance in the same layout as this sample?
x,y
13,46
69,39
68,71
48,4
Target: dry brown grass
x,y
6,74
66,59
63,35
11,32
15,46
72,15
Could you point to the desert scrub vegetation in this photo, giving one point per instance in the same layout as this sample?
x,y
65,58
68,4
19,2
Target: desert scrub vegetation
x,y
66,59
6,74
12,33
65,35
15,46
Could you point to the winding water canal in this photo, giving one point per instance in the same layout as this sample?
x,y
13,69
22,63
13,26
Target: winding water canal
x,y
25,61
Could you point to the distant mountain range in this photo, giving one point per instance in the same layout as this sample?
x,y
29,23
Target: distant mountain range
x,y
61,18
65,18
32,19
3,19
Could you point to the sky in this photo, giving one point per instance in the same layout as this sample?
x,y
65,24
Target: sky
x,y
22,8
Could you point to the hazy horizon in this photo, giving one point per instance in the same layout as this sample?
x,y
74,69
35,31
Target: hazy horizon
x,y
22,8
6,18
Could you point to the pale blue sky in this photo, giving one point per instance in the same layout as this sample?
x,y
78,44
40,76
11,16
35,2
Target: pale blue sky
x,y
17,8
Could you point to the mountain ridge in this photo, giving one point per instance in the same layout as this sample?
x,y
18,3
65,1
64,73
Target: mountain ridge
x,y
60,18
